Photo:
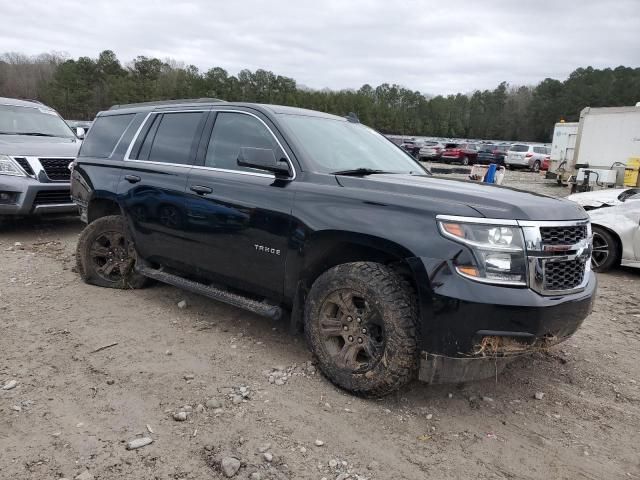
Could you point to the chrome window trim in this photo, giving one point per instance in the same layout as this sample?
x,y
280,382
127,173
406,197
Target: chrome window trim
x,y
203,167
135,138
241,172
228,110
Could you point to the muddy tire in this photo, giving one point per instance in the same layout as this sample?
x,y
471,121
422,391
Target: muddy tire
x,y
360,322
606,252
105,258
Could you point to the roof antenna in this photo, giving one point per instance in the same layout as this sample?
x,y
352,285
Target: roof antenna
x,y
353,118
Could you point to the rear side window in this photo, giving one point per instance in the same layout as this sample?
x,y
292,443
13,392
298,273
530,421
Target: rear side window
x,y
539,150
171,138
520,148
231,132
104,135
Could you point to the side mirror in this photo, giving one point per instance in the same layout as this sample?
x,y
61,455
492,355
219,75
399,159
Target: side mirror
x,y
262,159
80,132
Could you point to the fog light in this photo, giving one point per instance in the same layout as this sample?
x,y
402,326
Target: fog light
x,y
8,197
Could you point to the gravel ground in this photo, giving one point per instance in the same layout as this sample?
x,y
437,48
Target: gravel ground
x,y
222,392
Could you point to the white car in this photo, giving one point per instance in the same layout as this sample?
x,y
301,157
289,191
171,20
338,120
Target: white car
x,y
615,222
526,156
430,151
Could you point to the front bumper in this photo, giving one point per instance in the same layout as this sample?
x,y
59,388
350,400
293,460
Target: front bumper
x,y
471,330
27,201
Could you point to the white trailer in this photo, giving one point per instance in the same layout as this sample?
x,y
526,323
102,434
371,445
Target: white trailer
x,y
563,144
606,137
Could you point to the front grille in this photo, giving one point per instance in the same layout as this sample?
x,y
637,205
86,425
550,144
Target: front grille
x,y
51,197
565,235
565,275
24,164
57,169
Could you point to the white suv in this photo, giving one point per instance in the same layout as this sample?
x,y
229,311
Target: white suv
x,y
528,156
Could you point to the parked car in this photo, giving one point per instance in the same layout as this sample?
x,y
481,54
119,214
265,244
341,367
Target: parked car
x,y
292,213
413,146
430,151
36,147
464,153
85,125
491,153
527,156
615,218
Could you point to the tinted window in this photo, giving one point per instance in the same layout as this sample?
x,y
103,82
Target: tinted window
x,y
520,148
231,132
451,145
171,137
487,147
104,135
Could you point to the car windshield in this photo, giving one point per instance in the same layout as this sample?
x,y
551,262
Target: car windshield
x,y
18,120
337,145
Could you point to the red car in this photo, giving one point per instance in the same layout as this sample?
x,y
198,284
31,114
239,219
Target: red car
x,y
464,153
546,163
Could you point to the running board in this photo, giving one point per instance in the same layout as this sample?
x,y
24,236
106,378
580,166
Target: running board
x,y
260,308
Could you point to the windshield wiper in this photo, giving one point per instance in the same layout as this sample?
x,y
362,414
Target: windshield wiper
x,y
33,134
359,171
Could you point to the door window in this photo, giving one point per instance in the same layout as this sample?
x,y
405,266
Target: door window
x,y
231,132
170,139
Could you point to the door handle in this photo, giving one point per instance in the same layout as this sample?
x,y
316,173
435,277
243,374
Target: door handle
x,y
132,178
200,189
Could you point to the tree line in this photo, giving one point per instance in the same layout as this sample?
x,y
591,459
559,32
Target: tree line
x,y
79,88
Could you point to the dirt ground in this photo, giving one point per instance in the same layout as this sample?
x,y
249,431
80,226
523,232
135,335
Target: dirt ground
x,y
75,407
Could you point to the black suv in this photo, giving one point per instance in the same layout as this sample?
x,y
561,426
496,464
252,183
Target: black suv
x,y
322,221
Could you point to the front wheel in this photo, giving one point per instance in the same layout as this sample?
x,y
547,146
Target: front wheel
x,y
465,160
360,322
606,250
105,258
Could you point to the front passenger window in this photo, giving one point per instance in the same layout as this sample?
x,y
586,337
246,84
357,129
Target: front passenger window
x,y
233,131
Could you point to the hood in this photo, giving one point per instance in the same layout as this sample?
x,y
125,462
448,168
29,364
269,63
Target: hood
x,y
603,198
490,201
29,146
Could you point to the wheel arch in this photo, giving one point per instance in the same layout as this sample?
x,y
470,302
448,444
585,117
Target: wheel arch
x,y
613,233
102,207
329,248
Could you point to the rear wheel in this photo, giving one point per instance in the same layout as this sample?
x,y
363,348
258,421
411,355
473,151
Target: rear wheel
x,y
536,166
105,258
465,160
606,250
360,322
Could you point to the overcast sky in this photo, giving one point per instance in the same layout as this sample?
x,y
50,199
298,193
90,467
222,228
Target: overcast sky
x,y
437,47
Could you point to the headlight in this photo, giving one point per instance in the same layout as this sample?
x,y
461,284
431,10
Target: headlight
x,y
498,251
9,167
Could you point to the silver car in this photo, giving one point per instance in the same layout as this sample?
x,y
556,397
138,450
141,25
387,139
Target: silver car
x,y
431,150
36,148
527,156
615,220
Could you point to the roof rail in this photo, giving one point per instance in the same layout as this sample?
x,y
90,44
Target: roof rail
x,y
166,102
